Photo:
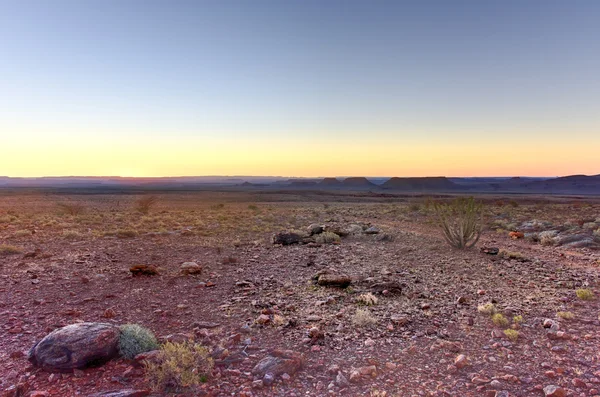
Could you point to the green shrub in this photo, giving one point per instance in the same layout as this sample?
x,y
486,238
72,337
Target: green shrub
x,y
499,320
135,339
461,221
178,366
518,319
511,334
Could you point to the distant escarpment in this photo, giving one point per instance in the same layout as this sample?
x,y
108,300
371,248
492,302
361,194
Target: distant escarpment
x,y
438,183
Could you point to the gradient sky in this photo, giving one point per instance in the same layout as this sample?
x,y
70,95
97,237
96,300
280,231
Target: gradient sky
x,y
299,88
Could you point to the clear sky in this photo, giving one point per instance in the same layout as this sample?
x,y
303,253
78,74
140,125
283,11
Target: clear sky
x,y
299,88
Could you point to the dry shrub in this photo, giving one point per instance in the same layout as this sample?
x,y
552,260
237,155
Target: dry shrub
x,y
9,250
327,238
584,294
461,221
178,366
144,204
499,320
487,309
367,299
511,334
363,318
71,208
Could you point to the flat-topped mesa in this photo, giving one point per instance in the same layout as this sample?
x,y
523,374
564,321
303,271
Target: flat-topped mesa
x,y
333,182
358,182
434,183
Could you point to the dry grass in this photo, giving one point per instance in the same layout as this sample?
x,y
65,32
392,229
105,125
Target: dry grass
x,y
9,250
363,318
584,294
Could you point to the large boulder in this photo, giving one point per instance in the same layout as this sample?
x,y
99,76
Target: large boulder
x,y
76,346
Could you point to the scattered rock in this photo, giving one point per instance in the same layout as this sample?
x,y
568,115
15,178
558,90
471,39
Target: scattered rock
x,y
287,238
315,228
460,361
554,391
278,362
334,280
76,346
372,230
190,268
145,270
490,250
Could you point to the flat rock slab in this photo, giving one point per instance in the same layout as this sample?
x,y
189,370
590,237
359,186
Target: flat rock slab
x,y
76,346
279,362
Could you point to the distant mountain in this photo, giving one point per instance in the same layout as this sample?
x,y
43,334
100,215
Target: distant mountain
x,y
572,184
430,184
358,183
330,182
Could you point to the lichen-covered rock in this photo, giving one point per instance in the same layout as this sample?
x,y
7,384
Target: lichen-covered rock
x,y
76,346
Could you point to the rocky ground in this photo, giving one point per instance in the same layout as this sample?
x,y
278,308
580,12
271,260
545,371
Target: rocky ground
x,y
423,333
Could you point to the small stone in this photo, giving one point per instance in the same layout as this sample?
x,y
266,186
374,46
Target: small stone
x,y
257,384
369,342
579,383
109,313
495,384
460,361
554,391
190,268
341,380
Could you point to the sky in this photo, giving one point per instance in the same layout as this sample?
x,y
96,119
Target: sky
x,y
299,88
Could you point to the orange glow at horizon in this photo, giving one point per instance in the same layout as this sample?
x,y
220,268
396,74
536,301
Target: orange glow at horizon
x,y
196,157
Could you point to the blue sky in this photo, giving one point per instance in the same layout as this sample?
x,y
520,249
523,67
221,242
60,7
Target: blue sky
x,y
272,85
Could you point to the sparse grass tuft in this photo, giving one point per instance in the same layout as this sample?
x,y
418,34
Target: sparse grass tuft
x,y
511,334
363,318
71,234
135,339
487,309
499,320
584,294
178,366
22,233
511,255
9,250
565,315
367,299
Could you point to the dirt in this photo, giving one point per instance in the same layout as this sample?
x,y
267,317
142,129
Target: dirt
x,y
422,327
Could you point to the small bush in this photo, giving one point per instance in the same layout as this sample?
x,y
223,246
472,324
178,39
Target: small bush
x,y
327,238
144,204
584,294
178,366
511,334
9,250
363,318
367,299
565,315
487,309
518,319
135,339
499,320
71,208
461,221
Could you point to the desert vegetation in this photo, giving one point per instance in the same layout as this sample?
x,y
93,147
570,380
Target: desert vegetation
x,y
356,294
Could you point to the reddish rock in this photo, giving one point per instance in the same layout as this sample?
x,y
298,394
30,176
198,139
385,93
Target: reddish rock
x,y
334,280
143,270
